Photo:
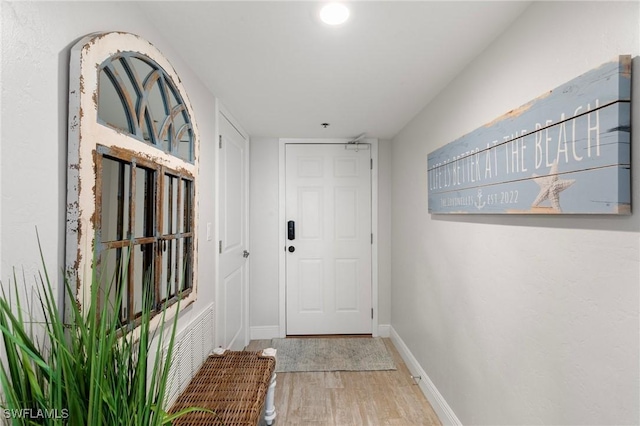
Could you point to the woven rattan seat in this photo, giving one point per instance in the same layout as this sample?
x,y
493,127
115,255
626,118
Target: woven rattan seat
x,y
234,385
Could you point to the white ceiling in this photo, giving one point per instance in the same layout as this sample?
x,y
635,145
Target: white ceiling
x,y
282,73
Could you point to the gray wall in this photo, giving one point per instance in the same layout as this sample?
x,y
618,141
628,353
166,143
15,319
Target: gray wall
x,y
520,319
36,38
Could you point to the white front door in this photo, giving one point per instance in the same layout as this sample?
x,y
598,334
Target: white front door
x,y
232,296
328,242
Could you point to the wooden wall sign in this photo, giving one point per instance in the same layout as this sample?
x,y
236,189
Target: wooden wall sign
x,y
566,152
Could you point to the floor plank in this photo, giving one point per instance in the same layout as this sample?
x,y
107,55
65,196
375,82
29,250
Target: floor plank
x,y
350,398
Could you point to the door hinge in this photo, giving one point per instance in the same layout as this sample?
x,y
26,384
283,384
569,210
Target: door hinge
x,y
220,141
220,246
372,238
371,313
372,164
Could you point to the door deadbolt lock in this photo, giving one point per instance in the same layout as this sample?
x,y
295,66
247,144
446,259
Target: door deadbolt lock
x,y
292,249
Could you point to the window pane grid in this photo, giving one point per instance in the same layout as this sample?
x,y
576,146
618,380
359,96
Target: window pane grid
x,y
113,273
148,107
176,233
151,247
112,81
114,198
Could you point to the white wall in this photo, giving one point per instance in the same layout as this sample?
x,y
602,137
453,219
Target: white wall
x,y
265,249
521,319
36,38
384,234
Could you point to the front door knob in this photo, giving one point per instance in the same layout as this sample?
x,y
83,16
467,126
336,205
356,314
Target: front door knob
x,y
292,249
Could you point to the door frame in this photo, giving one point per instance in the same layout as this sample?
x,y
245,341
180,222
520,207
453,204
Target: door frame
x,y
282,284
222,113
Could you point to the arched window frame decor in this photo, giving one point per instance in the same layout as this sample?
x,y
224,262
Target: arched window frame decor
x,y
150,230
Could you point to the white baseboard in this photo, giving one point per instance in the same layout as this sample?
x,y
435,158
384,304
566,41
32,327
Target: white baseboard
x,y
384,330
263,332
437,401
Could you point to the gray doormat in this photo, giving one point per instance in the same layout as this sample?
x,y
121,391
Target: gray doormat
x,y
332,354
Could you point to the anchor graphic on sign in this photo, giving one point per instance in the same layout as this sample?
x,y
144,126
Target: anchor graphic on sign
x,y
480,204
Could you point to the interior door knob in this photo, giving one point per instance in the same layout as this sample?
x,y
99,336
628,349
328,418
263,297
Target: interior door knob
x,y
245,254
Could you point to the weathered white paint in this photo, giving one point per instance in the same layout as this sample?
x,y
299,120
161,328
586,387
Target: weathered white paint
x,y
503,168
520,320
85,133
36,39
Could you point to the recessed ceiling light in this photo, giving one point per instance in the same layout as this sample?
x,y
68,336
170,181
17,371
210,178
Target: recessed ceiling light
x,y
334,13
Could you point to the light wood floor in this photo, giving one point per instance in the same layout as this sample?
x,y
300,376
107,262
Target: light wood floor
x,y
349,398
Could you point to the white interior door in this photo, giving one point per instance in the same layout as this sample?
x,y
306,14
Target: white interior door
x,y
232,314
328,260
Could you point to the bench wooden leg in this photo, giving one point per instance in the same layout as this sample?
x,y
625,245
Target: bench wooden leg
x,y
270,408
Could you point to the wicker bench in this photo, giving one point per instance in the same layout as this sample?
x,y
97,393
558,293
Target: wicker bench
x,y
237,386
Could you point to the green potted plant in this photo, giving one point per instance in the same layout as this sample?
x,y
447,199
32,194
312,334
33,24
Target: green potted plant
x,y
82,369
